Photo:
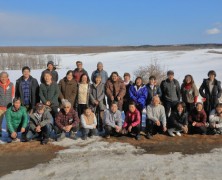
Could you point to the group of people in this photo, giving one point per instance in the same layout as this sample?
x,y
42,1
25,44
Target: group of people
x,y
74,104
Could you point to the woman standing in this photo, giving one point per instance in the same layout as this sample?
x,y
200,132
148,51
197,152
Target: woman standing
x,y
68,88
189,92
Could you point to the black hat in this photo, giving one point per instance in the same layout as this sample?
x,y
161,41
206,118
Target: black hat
x,y
50,62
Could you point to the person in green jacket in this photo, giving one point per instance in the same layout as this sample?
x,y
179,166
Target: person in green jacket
x,y
17,120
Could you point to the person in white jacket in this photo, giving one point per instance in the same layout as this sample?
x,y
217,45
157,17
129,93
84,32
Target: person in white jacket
x,y
156,118
89,123
215,119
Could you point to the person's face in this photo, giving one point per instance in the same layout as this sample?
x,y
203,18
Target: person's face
x,y
69,77
4,78
188,79
88,112
132,108
219,109
50,67
199,107
79,65
100,67
114,108
139,82
98,80
156,101
41,111
17,104
26,73
67,109
126,78
84,79
48,78
114,77
171,77
212,77
180,108
152,81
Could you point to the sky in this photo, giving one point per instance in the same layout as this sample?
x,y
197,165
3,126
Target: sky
x,y
109,22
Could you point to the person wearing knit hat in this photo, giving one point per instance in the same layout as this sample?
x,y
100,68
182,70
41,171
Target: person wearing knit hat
x,y
101,72
52,69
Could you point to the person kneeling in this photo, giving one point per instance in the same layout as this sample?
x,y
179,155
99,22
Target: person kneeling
x,y
88,122
197,120
113,121
216,119
132,121
178,121
40,124
156,118
17,120
67,121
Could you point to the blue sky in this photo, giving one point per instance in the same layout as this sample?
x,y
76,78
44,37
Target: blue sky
x,y
110,22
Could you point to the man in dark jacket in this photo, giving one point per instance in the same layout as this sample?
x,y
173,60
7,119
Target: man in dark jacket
x,y
77,73
211,91
170,89
27,89
126,98
52,69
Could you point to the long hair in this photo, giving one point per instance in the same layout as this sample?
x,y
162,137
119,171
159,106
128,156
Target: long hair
x,y
84,74
191,77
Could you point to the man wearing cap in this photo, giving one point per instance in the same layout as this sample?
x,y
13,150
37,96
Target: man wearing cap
x,y
100,72
52,69
77,73
170,92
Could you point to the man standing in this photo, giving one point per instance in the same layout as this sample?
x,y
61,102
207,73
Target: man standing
x,y
170,92
27,89
77,73
101,72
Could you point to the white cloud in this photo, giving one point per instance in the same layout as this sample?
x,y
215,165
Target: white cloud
x,y
213,31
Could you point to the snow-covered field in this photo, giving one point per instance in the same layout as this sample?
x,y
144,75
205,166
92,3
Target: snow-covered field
x,y
95,159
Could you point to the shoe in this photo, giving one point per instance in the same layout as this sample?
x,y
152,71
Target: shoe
x,y
170,132
10,140
72,135
178,133
100,129
138,137
44,141
84,138
62,136
107,136
149,136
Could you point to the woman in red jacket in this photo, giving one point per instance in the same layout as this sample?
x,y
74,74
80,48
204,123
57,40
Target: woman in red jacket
x,y
132,121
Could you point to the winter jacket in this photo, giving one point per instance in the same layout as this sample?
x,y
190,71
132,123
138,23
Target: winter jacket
x,y
170,90
189,93
77,74
112,119
49,93
68,90
84,121
63,119
155,113
35,120
139,96
211,98
215,118
97,93
6,95
115,89
34,91
54,74
199,117
126,98
132,119
152,92
102,73
15,118
177,120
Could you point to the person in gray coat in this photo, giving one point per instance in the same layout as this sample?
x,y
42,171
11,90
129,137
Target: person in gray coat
x,y
101,72
113,121
96,96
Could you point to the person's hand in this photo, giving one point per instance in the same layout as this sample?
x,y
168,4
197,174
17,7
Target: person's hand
x,y
38,129
96,102
124,131
185,129
118,129
158,123
14,135
118,98
194,123
94,126
68,128
164,129
22,130
112,98
130,128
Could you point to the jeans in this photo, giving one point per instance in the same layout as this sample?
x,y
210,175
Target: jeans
x,y
44,134
88,132
168,105
152,128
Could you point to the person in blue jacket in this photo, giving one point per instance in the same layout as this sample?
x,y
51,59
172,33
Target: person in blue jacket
x,y
138,94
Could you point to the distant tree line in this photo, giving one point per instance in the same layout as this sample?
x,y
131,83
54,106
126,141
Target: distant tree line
x,y
13,61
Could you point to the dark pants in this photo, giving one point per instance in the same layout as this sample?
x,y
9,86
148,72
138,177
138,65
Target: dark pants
x,y
54,111
80,109
88,132
99,116
197,130
169,105
152,128
141,117
190,107
44,134
59,131
110,131
135,130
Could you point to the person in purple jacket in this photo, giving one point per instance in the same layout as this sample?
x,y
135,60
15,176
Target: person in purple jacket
x,y
138,94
